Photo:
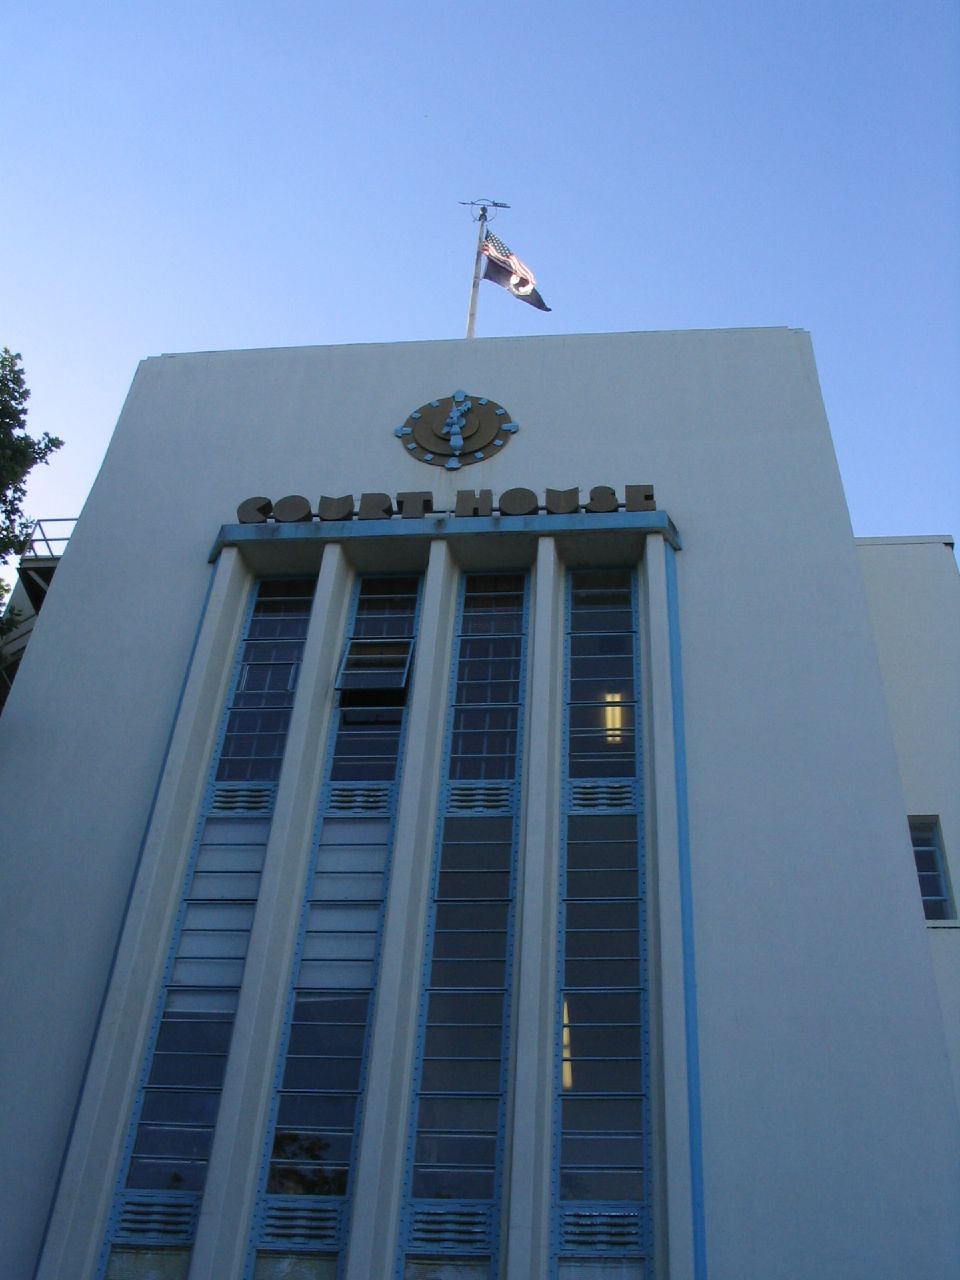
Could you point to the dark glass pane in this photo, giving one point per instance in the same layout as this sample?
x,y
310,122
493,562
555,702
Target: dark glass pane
x,y
602,942
456,1149
467,973
315,1146
926,860
457,1114
602,767
474,884
163,1140
190,1107
602,884
465,1042
479,768
464,1075
935,910
609,853
320,1038
606,1150
602,1042
306,1180
589,1076
473,944
312,1145
485,1008
503,649
610,1115
479,830
591,1007
188,1069
612,619
316,1111
179,1035
452,1184
322,1073
330,1006
608,826
167,1175
476,857
930,884
474,915
602,915
594,1184
603,645
602,973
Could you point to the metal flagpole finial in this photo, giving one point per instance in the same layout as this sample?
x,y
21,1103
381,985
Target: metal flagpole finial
x,y
482,205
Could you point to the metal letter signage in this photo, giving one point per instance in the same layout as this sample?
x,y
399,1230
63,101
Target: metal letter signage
x,y
418,505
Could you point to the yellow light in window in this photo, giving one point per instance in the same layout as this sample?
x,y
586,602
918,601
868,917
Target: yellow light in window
x,y
567,1060
613,717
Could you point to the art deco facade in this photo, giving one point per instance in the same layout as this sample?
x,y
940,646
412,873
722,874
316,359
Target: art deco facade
x,y
457,826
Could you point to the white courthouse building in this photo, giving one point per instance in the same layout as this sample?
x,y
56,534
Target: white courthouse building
x,y
472,810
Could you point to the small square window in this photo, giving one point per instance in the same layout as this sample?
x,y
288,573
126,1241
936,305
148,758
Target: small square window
x,y
931,868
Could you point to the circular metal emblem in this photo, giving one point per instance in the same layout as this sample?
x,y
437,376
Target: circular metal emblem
x,y
456,431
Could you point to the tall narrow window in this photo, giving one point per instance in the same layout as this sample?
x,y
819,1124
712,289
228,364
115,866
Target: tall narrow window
x,y
166,1161
454,1174
306,1190
931,868
601,1187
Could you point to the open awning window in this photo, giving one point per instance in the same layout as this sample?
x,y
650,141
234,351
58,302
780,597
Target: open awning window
x,y
375,664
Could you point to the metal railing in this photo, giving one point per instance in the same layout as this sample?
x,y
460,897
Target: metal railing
x,y
48,538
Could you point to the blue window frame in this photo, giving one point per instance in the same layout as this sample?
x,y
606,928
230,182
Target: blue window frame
x,y
308,1166
601,1186
165,1162
455,1149
931,868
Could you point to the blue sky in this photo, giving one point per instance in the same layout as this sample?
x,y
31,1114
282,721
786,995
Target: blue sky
x,y
207,175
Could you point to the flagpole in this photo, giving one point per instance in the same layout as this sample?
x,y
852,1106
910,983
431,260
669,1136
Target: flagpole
x,y
475,288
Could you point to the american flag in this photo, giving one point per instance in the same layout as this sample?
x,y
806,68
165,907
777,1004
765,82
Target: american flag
x,y
494,248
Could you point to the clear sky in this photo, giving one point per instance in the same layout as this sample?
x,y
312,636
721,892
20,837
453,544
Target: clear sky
x,y
210,174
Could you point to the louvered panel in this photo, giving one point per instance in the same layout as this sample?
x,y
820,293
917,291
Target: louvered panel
x,y
596,1230
466,797
590,797
303,1220
239,798
157,1218
454,1228
360,799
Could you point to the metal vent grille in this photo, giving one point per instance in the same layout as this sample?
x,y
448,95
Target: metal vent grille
x,y
616,1231
157,1218
456,1229
301,1220
238,798
360,799
482,797
590,796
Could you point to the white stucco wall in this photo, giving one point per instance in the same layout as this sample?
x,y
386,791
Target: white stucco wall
x,y
913,590
830,1143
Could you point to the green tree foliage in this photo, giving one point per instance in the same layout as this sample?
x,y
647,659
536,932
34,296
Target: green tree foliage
x,y
19,454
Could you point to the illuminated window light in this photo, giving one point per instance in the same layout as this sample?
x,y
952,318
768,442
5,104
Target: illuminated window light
x,y
613,718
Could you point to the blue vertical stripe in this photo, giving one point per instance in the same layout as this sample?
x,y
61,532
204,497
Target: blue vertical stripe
x,y
686,924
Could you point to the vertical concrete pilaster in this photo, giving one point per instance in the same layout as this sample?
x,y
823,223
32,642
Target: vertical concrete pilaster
x,y
534,1011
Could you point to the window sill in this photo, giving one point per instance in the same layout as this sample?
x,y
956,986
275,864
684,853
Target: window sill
x,y
943,924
